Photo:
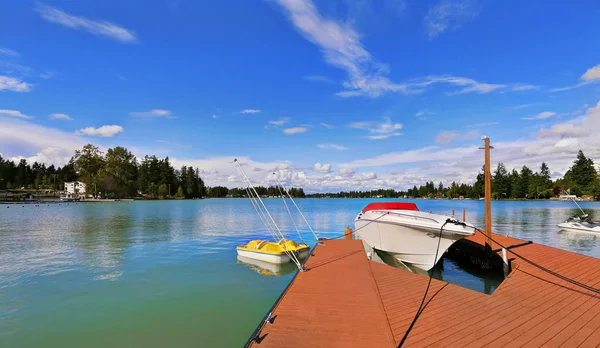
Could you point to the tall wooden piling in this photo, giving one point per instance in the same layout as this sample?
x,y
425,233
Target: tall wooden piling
x,y
488,193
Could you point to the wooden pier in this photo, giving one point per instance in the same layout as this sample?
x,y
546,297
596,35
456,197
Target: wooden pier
x,y
346,300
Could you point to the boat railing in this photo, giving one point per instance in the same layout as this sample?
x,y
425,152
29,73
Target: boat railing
x,y
407,215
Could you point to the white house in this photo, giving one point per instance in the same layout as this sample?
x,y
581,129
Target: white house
x,y
75,187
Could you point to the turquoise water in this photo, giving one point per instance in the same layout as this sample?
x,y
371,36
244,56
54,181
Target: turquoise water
x,y
165,273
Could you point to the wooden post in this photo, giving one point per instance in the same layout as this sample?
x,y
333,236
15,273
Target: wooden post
x,y
488,193
464,215
348,233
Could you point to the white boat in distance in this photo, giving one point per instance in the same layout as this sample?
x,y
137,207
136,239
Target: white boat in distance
x,y
409,235
580,224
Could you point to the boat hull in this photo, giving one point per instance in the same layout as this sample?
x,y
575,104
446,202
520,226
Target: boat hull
x,y
271,258
412,238
593,227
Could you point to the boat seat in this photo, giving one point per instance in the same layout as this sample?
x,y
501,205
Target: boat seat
x,y
261,244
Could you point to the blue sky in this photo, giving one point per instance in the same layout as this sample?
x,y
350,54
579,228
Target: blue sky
x,y
328,95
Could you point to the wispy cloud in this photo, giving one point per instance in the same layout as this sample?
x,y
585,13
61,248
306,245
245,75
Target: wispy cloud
x,y
422,115
280,122
295,130
446,137
155,113
59,116
332,147
540,116
379,130
326,125
14,113
98,28
13,68
562,89
250,111
319,78
14,84
8,52
104,131
523,106
48,75
449,14
215,116
590,76
342,48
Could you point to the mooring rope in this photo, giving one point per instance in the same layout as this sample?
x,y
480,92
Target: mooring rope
x,y
421,307
532,263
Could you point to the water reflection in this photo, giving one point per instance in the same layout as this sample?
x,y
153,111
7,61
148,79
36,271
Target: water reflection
x,y
267,268
88,267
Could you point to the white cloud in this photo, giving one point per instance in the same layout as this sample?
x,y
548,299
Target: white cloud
x,y
249,111
98,28
60,117
8,52
214,116
541,116
332,147
104,131
319,78
449,14
14,113
295,130
379,130
37,143
346,172
592,73
280,122
326,125
368,176
322,168
155,113
14,84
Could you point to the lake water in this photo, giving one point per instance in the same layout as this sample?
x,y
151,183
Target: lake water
x,y
165,273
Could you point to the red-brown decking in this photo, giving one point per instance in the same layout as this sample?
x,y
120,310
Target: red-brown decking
x,y
345,300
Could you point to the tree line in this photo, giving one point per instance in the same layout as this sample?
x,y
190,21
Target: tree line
x,y
581,179
119,174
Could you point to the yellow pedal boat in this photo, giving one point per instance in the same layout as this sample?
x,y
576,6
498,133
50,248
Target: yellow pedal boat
x,y
273,252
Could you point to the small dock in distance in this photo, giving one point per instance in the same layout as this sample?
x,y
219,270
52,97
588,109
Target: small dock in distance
x,y
345,300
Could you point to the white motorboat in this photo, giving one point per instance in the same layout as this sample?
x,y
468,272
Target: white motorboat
x,y
409,235
580,224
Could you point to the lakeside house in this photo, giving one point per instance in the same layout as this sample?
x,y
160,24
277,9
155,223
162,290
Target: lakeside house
x,y
75,188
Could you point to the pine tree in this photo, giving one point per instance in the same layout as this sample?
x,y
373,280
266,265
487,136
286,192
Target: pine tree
x,y
180,194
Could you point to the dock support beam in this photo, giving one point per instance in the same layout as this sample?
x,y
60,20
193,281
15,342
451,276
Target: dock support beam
x,y
348,233
488,195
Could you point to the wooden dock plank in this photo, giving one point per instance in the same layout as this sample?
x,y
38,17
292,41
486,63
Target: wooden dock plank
x,y
345,300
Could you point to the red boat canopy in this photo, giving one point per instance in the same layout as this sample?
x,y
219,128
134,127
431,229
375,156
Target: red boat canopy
x,y
390,206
